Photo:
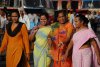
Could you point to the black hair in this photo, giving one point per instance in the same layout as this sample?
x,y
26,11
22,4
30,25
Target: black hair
x,y
5,10
45,14
83,18
58,12
17,12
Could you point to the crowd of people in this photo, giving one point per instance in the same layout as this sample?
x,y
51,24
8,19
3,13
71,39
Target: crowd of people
x,y
65,40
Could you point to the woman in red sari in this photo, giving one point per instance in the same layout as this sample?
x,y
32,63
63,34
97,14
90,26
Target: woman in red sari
x,y
61,34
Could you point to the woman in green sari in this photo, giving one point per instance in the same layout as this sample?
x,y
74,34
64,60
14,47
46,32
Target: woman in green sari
x,y
40,34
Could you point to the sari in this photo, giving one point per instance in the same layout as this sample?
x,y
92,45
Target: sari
x,y
84,57
41,58
60,35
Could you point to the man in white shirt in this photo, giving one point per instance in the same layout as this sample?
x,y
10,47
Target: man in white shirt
x,y
3,20
24,19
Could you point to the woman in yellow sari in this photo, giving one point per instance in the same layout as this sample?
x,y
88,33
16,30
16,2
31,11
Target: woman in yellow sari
x,y
40,33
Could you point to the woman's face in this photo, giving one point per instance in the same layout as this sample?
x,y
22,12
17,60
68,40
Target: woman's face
x,y
43,20
61,18
78,23
14,17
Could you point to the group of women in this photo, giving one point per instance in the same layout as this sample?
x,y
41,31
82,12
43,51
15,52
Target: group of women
x,y
55,45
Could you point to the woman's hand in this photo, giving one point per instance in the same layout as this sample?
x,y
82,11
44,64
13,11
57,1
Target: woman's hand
x,y
60,44
28,56
64,57
36,27
34,30
98,60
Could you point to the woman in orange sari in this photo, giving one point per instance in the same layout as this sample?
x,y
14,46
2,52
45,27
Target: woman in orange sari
x,y
60,38
16,43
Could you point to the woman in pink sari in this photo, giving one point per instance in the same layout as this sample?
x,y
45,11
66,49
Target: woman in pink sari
x,y
82,41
